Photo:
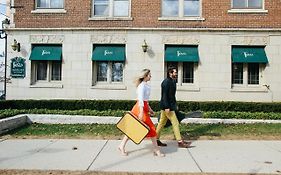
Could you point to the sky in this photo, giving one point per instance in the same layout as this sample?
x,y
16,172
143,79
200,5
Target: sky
x,y
2,17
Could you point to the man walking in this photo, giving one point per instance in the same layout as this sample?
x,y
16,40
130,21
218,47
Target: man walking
x,y
168,107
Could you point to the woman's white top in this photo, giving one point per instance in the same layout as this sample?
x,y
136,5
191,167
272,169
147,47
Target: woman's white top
x,y
143,91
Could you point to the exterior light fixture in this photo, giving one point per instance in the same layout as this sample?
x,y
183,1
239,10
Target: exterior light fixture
x,y
16,46
144,46
6,21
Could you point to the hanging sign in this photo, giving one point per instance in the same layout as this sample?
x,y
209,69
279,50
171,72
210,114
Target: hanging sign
x,y
18,67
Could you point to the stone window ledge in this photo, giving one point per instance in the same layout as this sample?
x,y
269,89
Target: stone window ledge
x,y
181,19
109,86
48,11
46,85
247,11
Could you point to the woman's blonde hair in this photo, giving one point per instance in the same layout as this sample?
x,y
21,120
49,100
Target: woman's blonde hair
x,y
144,73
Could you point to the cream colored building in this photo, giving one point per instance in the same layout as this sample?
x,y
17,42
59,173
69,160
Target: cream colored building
x,y
215,63
212,74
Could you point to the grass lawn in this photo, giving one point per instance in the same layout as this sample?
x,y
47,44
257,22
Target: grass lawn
x,y
189,131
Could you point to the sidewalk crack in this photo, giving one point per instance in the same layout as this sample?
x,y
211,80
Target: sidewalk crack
x,y
195,161
95,158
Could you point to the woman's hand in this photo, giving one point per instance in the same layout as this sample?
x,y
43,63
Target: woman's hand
x,y
151,112
140,116
167,110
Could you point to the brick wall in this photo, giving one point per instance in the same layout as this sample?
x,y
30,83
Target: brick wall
x,y
145,13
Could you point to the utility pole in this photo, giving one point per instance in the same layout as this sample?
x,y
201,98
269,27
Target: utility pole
x,y
3,35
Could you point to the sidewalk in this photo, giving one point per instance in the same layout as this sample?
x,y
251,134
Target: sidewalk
x,y
206,156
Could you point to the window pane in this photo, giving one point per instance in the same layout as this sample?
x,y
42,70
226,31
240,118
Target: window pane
x,y
117,72
173,64
188,72
237,73
102,71
41,68
43,4
170,7
256,4
56,3
253,73
101,8
121,8
191,7
56,70
239,4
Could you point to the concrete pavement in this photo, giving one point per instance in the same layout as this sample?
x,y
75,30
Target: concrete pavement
x,y
206,156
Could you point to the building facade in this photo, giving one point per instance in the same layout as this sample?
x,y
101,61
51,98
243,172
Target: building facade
x,y
224,50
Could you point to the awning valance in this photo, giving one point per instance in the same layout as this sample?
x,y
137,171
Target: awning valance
x,y
45,52
181,54
248,55
109,53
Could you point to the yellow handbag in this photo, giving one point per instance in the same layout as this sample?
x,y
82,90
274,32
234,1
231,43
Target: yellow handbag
x,y
132,127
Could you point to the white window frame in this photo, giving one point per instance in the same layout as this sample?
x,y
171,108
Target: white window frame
x,y
181,15
111,12
107,84
49,10
248,10
186,86
44,83
245,87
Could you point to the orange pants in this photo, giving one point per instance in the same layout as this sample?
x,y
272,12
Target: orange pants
x,y
146,118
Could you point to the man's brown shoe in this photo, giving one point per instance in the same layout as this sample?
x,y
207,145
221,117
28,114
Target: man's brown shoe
x,y
183,144
159,143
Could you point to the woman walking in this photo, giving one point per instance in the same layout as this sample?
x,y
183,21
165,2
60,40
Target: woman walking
x,y
143,111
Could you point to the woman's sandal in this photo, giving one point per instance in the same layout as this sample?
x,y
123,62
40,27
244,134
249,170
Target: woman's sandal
x,y
123,152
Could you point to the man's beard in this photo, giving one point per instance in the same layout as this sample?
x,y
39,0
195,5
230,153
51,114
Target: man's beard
x,y
174,76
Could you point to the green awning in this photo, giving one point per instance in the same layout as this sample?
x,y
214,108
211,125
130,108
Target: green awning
x,y
45,52
181,53
109,53
248,55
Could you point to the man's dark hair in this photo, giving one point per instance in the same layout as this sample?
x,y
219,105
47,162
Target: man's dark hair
x,y
170,70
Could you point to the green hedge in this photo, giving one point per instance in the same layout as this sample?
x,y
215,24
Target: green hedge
x,y
102,105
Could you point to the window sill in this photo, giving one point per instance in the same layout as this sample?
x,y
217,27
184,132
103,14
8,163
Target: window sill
x,y
48,11
247,11
186,87
109,86
46,85
181,19
249,89
110,19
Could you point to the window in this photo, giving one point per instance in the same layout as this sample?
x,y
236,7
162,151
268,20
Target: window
x,y
248,63
180,8
237,73
111,8
188,72
46,71
49,4
185,71
185,58
191,7
253,73
109,71
247,4
46,64
108,63
246,72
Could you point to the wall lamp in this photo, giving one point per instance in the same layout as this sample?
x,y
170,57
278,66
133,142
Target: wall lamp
x,y
16,46
144,46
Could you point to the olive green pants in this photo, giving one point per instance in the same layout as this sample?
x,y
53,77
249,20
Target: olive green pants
x,y
164,117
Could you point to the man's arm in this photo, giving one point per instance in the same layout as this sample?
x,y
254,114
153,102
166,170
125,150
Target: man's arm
x,y
165,95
